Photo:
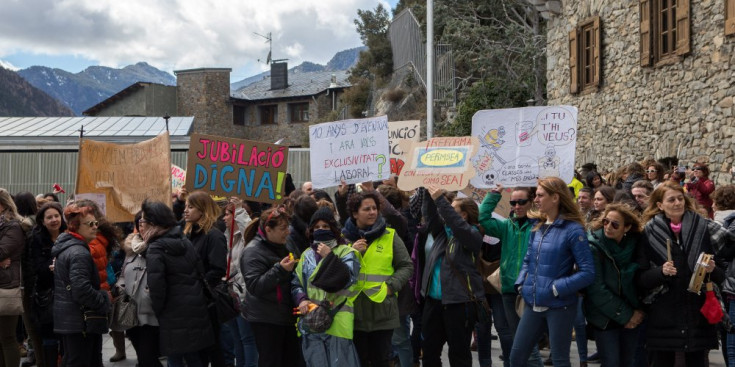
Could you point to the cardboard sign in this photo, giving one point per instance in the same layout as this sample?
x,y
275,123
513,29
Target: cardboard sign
x,y
478,195
351,150
444,162
178,178
401,130
126,174
99,199
227,167
520,145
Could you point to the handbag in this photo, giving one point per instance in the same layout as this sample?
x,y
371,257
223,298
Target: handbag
x,y
94,322
125,310
11,302
221,301
494,280
320,319
488,269
481,306
43,302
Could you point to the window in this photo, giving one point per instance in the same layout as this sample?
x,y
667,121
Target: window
x,y
729,17
299,112
238,115
268,114
585,64
665,31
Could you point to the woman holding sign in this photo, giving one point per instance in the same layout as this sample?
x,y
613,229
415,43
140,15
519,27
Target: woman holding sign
x,y
548,281
385,270
677,235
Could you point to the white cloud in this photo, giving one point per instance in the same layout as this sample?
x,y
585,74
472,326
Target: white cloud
x,y
180,34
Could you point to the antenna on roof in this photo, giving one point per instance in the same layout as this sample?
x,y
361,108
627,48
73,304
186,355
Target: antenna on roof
x,y
269,40
81,132
166,117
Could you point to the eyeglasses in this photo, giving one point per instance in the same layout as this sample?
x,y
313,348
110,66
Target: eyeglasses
x,y
614,224
651,171
143,221
92,223
519,202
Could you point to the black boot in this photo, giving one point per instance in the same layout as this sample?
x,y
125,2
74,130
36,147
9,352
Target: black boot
x,y
50,355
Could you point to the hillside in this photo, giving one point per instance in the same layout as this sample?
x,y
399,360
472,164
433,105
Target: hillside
x,y
18,98
96,83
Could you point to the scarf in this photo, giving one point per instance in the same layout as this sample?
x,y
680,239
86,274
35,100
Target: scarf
x,y
622,255
324,236
151,232
694,237
370,234
137,244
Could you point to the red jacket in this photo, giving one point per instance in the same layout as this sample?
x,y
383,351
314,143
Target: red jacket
x,y
98,249
701,190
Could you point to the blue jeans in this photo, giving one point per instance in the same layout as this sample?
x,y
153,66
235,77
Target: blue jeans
x,y
560,322
247,343
193,359
511,317
505,335
580,329
730,336
617,347
401,341
228,334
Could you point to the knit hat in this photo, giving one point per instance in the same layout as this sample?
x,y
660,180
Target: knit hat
x,y
325,214
333,275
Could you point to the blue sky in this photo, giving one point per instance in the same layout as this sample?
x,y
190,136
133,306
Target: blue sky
x,y
176,34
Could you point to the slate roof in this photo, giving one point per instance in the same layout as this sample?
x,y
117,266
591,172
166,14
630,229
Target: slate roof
x,y
299,85
58,132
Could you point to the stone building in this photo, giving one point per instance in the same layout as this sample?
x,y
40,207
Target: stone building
x,y
651,78
279,107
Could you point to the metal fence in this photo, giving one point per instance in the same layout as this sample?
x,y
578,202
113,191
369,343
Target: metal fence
x,y
37,171
409,50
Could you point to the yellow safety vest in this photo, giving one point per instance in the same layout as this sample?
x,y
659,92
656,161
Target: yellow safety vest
x,y
377,268
343,322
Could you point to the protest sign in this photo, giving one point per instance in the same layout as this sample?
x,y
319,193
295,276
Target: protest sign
x,y
178,178
520,145
126,174
99,199
227,167
351,150
401,130
444,162
478,195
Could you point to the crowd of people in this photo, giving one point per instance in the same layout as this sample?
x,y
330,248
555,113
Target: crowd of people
x,y
375,276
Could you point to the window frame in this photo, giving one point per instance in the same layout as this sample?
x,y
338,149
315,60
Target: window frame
x,y
296,111
273,108
585,56
664,44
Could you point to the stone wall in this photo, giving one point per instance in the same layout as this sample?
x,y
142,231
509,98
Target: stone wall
x,y
205,94
683,110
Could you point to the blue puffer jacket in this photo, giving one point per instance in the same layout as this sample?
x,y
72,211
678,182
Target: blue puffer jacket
x,y
552,252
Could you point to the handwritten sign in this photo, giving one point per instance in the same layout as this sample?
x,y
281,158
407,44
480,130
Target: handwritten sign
x,y
99,199
398,131
520,145
444,162
235,167
126,174
178,178
351,150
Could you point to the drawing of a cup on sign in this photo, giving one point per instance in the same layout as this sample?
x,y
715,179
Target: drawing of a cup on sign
x,y
524,130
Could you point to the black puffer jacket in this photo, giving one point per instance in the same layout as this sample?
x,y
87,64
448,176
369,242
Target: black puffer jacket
x,y
177,294
76,285
212,250
268,284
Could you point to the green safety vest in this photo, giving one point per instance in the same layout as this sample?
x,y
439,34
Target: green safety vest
x,y
343,322
377,268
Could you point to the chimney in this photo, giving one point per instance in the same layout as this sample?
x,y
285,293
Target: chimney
x,y
279,75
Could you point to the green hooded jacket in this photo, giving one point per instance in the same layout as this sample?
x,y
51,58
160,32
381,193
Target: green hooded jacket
x,y
513,239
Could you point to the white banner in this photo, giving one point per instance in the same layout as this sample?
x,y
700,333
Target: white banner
x,y
520,145
351,150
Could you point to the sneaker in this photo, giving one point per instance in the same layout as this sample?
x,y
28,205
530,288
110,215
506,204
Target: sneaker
x,y
594,358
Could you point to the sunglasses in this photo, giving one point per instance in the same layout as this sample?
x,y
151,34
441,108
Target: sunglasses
x,y
651,171
519,202
92,223
614,224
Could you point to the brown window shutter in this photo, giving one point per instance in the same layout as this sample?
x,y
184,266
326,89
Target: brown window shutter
x,y
573,62
645,13
597,51
729,17
683,28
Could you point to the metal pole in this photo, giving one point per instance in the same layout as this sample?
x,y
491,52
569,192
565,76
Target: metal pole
x,y
429,69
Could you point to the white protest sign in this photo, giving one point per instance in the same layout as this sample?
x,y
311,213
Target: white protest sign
x,y
351,150
99,199
401,131
520,145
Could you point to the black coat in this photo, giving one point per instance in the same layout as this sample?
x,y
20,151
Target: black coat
x,y
177,294
42,279
268,296
76,285
212,250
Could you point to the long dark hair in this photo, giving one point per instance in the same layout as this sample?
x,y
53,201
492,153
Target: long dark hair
x,y
42,213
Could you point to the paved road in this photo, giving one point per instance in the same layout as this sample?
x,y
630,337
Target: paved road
x,y
108,350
